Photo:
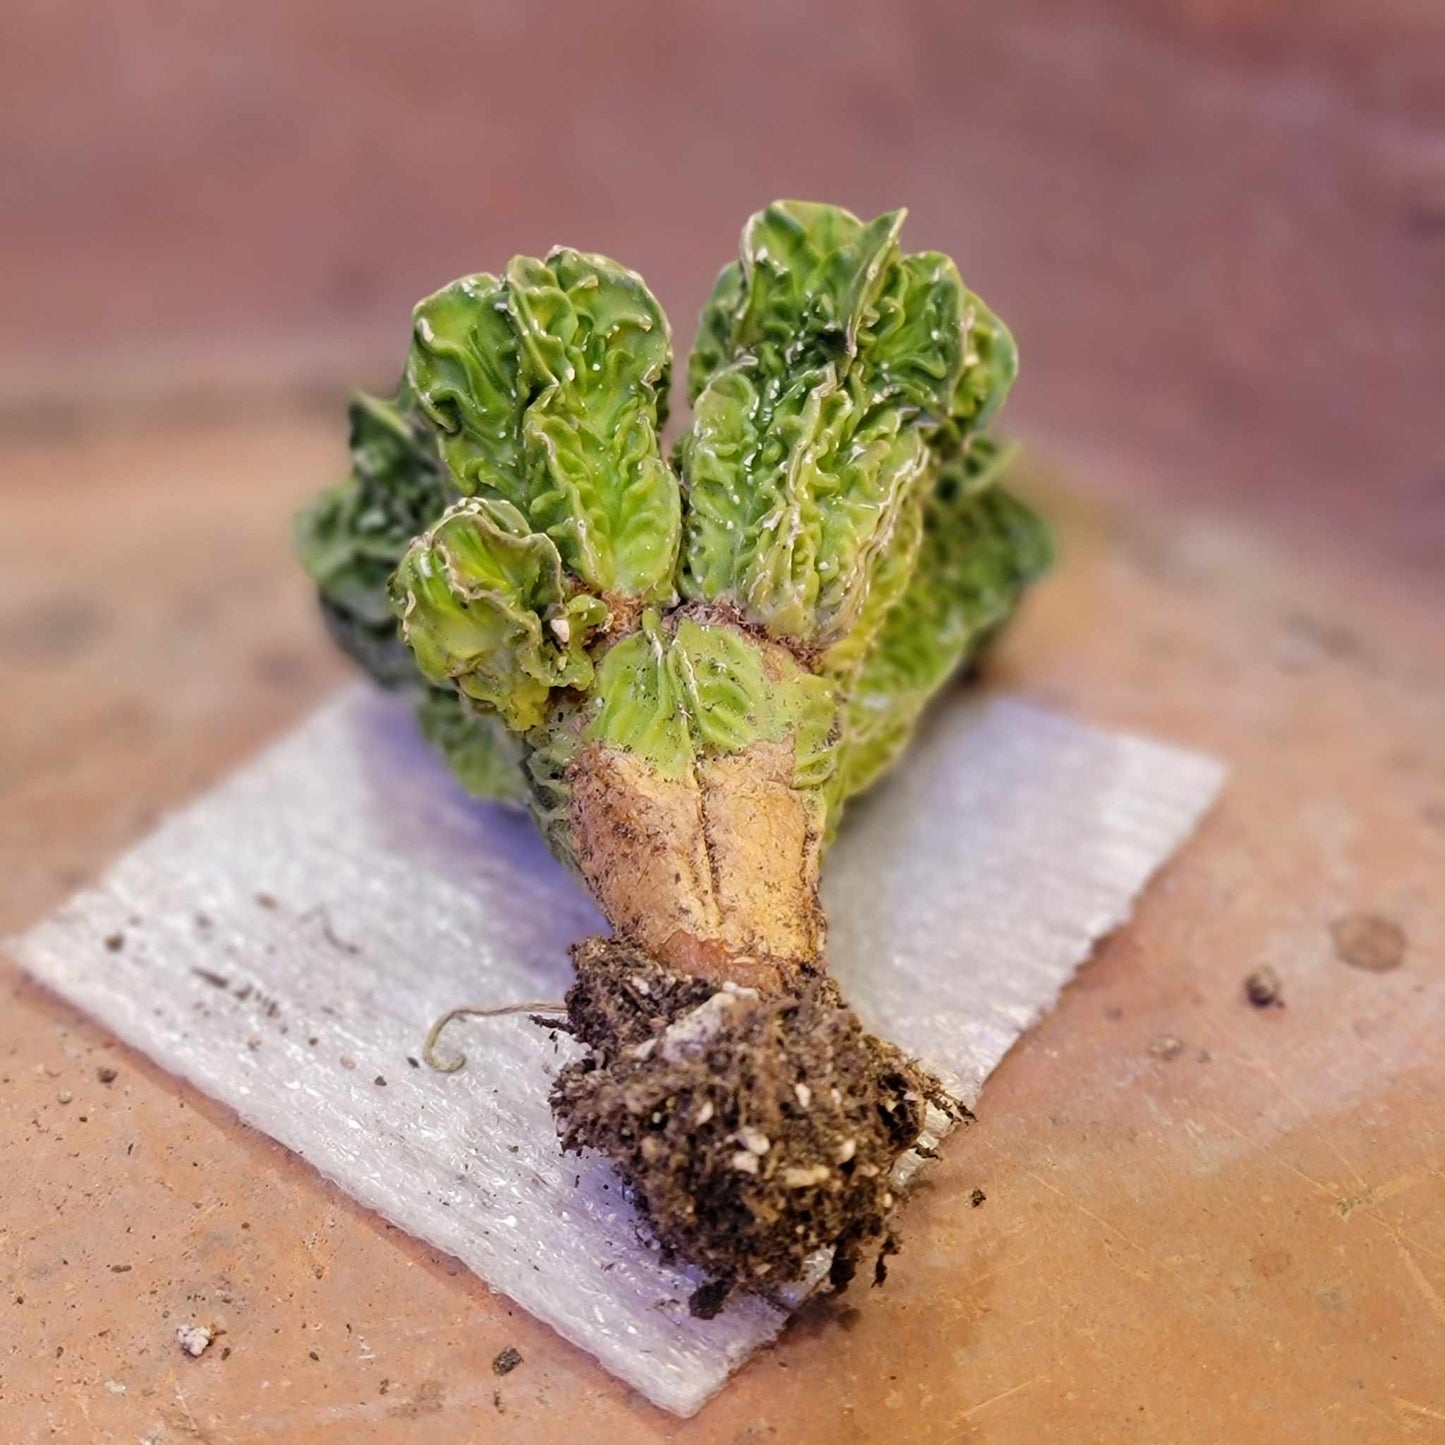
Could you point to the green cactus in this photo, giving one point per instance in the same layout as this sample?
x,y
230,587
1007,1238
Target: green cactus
x,y
482,605
686,669
351,540
980,547
480,749
545,389
673,696
352,537
512,544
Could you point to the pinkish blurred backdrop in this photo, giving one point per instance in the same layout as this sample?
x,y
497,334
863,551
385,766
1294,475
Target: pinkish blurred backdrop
x,y
1218,228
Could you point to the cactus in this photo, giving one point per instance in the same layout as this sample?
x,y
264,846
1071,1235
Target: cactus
x,y
687,667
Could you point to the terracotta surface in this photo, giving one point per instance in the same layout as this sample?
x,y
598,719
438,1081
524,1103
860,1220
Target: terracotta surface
x,y
1203,1221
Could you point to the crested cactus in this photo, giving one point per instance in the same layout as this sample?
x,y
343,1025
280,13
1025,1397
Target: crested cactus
x,y
687,667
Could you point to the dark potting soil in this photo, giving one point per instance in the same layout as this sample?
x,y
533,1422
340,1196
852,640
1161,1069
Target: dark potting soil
x,y
753,1129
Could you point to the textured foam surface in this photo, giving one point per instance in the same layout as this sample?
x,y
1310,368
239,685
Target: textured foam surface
x,y
288,939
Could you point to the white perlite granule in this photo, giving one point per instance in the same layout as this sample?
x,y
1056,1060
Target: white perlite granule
x,y
285,942
195,1340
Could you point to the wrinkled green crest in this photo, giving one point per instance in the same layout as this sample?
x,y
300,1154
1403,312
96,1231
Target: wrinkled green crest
x,y
980,547
513,544
544,386
672,695
481,750
352,537
828,366
483,606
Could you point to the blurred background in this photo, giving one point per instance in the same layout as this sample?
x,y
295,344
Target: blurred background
x,y
1217,227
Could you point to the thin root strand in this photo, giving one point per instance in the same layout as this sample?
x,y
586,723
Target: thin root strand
x,y
458,1061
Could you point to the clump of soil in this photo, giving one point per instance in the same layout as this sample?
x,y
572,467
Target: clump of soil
x,y
507,1360
755,1129
1262,988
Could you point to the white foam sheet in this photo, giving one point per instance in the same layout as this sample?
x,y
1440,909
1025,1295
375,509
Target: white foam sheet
x,y
341,889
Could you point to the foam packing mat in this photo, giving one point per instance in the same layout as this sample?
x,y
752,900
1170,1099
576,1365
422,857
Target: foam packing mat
x,y
341,889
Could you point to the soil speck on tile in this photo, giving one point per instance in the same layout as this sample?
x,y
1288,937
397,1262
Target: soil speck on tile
x,y
1262,988
1167,1046
507,1360
708,1299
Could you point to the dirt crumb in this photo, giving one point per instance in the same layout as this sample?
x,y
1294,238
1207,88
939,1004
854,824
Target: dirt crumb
x,y
880,1265
708,1299
115,942
106,1074
1368,941
1262,988
755,1129
1167,1046
977,1198
506,1360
